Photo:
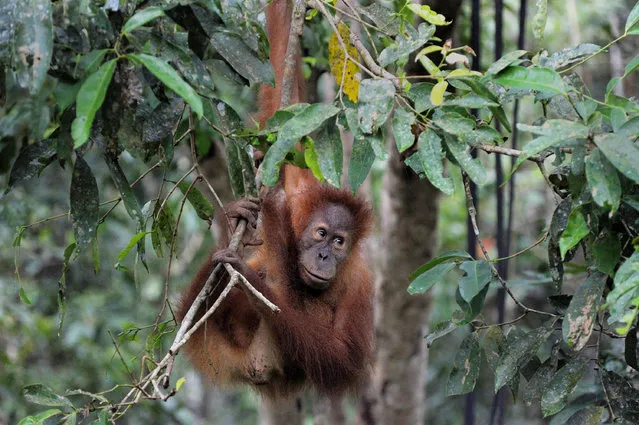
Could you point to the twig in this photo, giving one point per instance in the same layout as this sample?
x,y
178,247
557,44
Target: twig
x,y
603,386
472,212
509,322
507,151
528,248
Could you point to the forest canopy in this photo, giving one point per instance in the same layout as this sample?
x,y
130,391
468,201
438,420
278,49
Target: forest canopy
x,y
112,112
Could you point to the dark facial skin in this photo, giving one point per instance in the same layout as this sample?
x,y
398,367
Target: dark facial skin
x,y
324,245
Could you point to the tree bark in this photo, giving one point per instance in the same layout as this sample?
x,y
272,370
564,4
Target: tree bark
x,y
408,239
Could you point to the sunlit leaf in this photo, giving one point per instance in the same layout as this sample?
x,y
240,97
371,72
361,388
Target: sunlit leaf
x,y
437,94
328,147
427,14
576,230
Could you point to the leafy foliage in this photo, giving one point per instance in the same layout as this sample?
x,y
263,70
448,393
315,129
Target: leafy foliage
x,y
93,84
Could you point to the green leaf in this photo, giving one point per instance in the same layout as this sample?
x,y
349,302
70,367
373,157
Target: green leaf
x,y
483,91
40,418
622,153
429,160
543,80
440,330
44,396
375,103
561,386
589,416
633,18
306,121
631,66
495,345
236,174
623,301
581,315
437,94
419,93
33,43
85,203
362,158
471,309
71,419
242,58
470,165
428,15
310,158
606,253
134,240
202,206
330,157
170,77
424,281
89,99
447,257
518,354
404,46
603,180
126,192
569,56
23,296
402,123
539,381
162,228
142,17
465,371
478,275
179,383
576,230
540,18
505,61
30,162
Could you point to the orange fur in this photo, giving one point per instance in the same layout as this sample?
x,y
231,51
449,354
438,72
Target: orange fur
x,y
320,339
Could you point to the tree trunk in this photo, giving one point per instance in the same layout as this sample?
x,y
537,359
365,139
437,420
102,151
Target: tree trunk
x,y
408,239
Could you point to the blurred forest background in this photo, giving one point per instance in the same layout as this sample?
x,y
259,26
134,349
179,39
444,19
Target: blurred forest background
x,y
116,301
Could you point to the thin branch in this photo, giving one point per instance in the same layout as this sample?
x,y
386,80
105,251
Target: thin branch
x,y
613,417
507,151
472,212
528,248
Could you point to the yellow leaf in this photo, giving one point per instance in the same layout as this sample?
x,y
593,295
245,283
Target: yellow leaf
x,y
437,93
345,75
179,383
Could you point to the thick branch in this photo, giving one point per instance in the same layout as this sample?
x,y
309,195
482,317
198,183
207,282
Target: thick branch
x,y
292,50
